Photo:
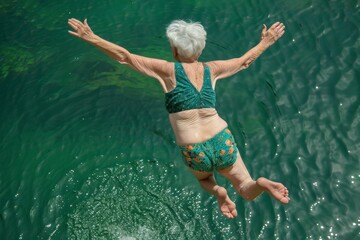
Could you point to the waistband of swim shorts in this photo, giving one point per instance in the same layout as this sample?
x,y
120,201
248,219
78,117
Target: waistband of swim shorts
x,y
216,135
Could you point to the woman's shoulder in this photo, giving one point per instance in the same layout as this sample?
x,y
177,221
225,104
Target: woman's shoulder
x,y
211,64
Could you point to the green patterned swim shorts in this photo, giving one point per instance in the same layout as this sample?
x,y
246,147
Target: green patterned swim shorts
x,y
216,153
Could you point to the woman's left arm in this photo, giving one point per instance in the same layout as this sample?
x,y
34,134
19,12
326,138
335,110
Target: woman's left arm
x,y
156,68
226,68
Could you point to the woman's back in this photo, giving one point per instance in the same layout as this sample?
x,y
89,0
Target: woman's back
x,y
196,125
191,104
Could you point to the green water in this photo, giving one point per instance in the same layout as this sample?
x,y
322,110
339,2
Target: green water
x,y
87,151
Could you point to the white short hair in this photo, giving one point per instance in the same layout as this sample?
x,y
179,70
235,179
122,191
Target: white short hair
x,y
187,37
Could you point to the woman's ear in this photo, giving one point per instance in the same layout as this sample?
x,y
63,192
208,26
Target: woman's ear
x,y
175,52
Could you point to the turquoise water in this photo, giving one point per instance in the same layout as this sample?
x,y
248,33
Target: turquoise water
x,y
87,151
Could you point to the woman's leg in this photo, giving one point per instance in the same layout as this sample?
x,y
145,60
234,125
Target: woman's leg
x,y
208,183
249,189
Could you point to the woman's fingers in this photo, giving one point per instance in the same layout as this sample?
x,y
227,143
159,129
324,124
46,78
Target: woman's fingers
x,y
74,20
273,33
73,33
278,28
74,26
85,22
263,30
78,25
275,25
80,29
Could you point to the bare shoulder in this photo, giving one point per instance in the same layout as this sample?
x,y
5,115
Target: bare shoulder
x,y
215,68
211,64
165,72
159,69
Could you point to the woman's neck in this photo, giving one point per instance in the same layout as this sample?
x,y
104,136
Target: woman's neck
x,y
185,59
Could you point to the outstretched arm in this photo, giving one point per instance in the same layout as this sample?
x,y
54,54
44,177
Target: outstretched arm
x,y
156,68
226,68
84,32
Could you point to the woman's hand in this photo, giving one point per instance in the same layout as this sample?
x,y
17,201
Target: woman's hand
x,y
82,30
269,37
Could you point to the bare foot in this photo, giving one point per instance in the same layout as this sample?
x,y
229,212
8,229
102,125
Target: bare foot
x,y
275,189
227,207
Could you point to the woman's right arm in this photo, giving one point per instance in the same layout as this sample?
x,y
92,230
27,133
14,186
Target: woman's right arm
x,y
159,69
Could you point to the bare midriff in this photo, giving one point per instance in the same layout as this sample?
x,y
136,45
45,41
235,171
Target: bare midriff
x,y
196,125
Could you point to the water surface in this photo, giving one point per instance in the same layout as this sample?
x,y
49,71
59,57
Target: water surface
x,y
87,151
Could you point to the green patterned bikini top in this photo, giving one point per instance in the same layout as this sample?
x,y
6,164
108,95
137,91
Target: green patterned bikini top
x,y
185,96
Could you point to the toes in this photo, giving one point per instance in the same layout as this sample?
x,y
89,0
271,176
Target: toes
x,y
275,189
228,209
229,215
285,199
234,213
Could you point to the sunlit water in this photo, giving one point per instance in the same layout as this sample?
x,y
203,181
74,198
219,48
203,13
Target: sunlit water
x,y
87,151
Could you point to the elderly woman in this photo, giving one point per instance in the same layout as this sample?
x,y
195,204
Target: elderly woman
x,y
204,139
